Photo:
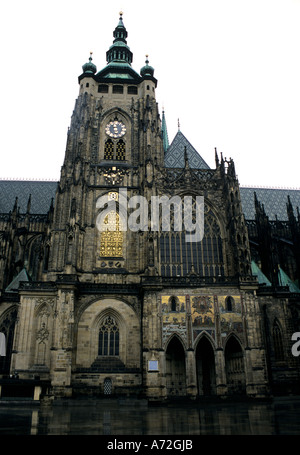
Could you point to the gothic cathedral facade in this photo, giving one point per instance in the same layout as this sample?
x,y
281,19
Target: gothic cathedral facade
x,y
106,307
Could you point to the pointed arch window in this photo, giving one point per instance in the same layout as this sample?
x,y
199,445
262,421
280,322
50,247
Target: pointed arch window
x,y
120,151
278,343
111,236
115,150
109,150
205,258
109,338
229,302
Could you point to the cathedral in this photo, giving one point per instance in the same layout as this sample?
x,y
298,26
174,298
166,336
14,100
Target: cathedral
x,y
99,297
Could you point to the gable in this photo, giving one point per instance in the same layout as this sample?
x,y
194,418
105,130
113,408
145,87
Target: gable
x,y
174,157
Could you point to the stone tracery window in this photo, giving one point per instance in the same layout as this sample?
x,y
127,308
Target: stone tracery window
x,y
278,344
109,338
205,258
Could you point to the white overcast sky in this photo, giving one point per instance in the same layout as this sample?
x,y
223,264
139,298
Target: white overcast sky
x,y
228,69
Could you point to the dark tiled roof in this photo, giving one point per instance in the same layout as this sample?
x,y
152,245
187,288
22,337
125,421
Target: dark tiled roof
x,y
273,199
41,194
174,157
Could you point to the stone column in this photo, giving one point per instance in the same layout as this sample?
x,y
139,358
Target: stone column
x,y
61,358
153,355
191,376
221,383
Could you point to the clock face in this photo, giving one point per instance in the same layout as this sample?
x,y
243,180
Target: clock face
x,y
115,129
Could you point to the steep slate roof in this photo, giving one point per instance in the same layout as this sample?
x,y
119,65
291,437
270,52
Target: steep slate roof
x,y
41,194
274,201
174,156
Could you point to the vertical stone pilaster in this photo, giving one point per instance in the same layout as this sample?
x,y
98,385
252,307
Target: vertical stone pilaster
x,y
191,376
221,383
154,380
61,361
22,357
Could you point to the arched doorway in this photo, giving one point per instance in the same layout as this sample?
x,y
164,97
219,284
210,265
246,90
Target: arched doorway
x,y
234,364
175,368
7,326
205,367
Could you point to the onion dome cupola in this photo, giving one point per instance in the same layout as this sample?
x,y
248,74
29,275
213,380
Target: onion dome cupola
x,y
147,71
89,68
119,58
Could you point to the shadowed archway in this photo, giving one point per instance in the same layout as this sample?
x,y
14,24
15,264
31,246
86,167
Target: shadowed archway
x,y
235,370
205,367
175,368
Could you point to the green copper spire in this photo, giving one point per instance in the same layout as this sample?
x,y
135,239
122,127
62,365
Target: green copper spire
x,y
165,132
119,52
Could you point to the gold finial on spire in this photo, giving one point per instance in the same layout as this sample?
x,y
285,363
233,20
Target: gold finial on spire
x,y
121,13
178,125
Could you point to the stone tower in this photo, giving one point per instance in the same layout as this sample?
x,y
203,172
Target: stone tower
x,y
124,304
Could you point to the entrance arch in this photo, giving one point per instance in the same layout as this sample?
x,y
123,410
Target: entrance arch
x,y
7,326
205,367
234,365
175,368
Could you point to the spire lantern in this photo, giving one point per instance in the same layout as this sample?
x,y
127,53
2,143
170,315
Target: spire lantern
x,y
119,52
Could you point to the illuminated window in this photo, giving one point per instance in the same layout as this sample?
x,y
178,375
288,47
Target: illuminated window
x,y
120,151
114,151
109,150
111,236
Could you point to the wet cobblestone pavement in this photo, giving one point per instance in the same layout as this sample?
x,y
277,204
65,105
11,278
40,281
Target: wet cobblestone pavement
x,y
110,417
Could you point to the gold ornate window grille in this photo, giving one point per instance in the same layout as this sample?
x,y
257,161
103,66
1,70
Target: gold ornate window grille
x,y
120,151
111,236
109,150
115,150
